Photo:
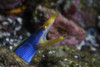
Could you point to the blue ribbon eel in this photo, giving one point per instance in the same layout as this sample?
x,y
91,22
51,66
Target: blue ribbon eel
x,y
26,49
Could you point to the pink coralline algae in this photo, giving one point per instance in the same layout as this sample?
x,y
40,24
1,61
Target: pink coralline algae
x,y
63,26
82,12
71,10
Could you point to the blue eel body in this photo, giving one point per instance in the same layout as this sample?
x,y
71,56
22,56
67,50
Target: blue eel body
x,y
27,49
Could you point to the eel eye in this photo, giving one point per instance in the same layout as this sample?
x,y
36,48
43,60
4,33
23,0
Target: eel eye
x,y
44,27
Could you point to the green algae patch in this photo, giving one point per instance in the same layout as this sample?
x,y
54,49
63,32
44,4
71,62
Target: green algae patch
x,y
64,56
51,56
10,59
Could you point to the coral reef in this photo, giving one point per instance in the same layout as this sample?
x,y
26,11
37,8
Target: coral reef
x,y
78,20
56,56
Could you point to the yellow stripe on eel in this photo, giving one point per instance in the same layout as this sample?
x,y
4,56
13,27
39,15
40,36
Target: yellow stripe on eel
x,y
50,42
50,20
47,25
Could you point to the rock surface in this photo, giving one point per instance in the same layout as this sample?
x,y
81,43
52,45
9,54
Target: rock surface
x,y
64,56
9,59
52,56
